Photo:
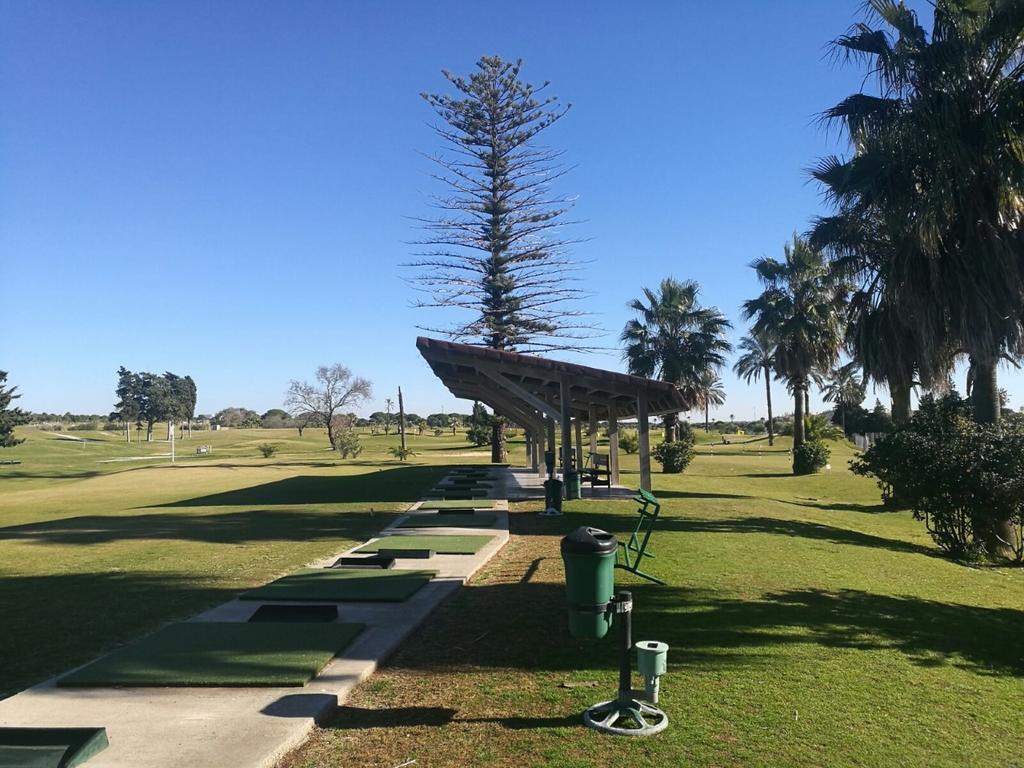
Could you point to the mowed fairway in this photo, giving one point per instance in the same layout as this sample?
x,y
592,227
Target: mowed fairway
x,y
809,626
94,553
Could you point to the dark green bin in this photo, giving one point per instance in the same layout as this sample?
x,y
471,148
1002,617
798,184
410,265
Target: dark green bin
x,y
589,558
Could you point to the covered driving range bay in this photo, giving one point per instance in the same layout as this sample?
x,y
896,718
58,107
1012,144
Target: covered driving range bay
x,y
548,397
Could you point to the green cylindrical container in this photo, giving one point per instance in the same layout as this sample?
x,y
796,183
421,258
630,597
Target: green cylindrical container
x,y
572,486
589,558
549,462
553,495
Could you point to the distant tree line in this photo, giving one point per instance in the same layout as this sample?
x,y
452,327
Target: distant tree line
x,y
145,398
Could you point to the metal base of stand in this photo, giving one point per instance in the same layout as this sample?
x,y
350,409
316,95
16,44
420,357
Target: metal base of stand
x,y
551,513
631,717
625,715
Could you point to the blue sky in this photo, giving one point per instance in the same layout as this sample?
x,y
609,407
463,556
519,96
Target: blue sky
x,y
225,189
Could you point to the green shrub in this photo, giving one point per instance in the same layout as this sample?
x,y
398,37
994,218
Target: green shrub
x,y
810,457
959,477
401,453
676,456
267,450
629,441
346,442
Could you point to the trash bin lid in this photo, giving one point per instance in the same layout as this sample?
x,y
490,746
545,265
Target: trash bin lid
x,y
588,541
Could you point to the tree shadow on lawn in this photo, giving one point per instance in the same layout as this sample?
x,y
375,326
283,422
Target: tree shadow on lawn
x,y
55,621
498,627
388,485
668,494
237,527
622,525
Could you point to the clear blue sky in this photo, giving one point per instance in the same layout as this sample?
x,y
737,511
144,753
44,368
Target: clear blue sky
x,y
224,189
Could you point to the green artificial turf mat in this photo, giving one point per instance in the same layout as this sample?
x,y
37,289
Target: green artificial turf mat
x,y
343,585
449,519
49,747
454,505
220,654
442,545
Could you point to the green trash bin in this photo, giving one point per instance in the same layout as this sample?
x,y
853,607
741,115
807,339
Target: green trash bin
x,y
589,558
572,486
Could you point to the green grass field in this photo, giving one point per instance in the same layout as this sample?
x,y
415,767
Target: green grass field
x,y
94,552
809,625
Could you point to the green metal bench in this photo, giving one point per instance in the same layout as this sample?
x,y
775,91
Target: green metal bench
x,y
635,550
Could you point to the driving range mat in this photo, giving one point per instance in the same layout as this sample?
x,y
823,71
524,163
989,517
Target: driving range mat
x,y
292,612
235,654
337,585
441,545
49,747
449,520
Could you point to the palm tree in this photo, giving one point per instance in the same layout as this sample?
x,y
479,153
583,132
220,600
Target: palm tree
x,y
843,387
948,112
676,339
801,310
709,392
758,359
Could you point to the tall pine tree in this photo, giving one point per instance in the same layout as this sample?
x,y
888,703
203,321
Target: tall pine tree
x,y
9,417
493,248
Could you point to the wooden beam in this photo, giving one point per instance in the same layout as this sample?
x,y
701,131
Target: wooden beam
x,y
592,426
551,439
579,443
613,444
645,441
528,397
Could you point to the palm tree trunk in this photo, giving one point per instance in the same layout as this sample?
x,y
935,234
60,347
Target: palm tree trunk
x,y
707,420
900,403
807,399
670,427
985,393
768,397
985,397
799,401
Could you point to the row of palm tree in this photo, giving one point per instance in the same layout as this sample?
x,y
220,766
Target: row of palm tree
x,y
676,339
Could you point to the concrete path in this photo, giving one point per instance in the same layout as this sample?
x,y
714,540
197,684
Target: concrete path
x,y
249,727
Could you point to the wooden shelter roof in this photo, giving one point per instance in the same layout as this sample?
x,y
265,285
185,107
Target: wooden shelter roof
x,y
514,384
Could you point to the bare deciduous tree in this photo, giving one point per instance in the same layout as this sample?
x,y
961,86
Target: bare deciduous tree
x,y
335,388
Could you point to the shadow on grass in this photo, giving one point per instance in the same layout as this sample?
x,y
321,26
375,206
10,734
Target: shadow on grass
x,y
404,483
56,621
847,506
622,525
236,527
667,494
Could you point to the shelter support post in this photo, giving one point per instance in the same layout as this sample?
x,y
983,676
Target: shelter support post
x,y
592,425
579,443
645,441
565,406
613,444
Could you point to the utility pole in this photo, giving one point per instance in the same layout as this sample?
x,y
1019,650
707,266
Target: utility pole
x,y
401,419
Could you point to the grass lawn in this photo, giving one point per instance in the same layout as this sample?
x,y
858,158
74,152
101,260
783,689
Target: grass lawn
x,y
96,552
808,625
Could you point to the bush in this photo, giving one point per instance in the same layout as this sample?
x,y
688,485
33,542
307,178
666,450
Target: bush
x,y
401,453
346,442
267,450
629,441
961,478
810,457
676,456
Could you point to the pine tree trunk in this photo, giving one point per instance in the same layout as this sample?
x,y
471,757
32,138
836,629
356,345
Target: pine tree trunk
x,y
768,397
127,433
499,447
169,430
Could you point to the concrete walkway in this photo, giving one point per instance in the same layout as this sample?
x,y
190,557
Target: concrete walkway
x,y
249,727
520,484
